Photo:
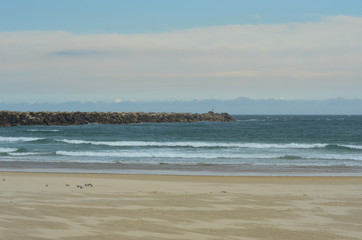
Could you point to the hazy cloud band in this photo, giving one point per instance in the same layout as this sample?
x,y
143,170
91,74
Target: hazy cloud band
x,y
296,60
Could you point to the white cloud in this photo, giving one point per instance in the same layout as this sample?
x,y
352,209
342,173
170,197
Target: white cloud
x,y
220,61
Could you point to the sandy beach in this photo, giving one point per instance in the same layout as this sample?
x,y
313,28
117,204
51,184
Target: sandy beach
x,y
107,206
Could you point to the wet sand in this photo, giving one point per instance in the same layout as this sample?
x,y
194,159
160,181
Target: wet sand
x,y
60,206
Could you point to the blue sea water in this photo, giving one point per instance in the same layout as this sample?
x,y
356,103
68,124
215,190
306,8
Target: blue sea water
x,y
252,145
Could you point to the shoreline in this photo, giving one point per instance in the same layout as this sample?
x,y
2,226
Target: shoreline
x,y
158,176
116,206
178,169
180,173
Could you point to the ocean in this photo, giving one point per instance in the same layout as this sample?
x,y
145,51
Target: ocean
x,y
252,145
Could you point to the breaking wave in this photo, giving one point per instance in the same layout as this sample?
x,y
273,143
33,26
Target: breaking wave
x,y
7,150
194,144
19,139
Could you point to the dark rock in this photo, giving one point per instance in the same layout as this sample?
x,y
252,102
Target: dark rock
x,y
8,118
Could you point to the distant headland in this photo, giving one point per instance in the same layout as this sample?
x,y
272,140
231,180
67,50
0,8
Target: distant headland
x,y
10,118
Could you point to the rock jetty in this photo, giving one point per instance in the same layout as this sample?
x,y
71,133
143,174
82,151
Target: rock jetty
x,y
9,118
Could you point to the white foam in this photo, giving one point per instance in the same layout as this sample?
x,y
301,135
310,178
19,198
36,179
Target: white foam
x,y
195,144
342,157
329,156
43,130
283,145
163,154
247,120
19,139
7,150
25,154
218,156
352,146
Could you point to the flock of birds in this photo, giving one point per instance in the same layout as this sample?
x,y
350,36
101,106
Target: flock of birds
x,y
78,186
67,185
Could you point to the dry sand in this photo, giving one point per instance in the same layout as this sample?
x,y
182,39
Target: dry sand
x,y
41,206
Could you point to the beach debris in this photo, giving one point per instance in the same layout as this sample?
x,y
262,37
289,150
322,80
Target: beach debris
x,y
46,185
78,186
224,191
88,185
67,185
3,179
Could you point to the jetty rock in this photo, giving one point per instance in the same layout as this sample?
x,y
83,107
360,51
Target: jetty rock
x,y
11,118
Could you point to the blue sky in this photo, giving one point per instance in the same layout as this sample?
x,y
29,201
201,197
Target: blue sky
x,y
90,50
143,16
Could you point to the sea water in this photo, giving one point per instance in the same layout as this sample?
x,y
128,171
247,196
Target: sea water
x,y
252,145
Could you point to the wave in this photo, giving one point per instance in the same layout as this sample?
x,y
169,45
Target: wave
x,y
167,156
7,150
343,147
284,145
211,155
291,157
19,139
195,144
309,164
24,153
43,130
247,120
352,146
324,157
163,154
215,144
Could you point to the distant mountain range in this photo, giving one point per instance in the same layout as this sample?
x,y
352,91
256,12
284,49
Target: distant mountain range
x,y
235,106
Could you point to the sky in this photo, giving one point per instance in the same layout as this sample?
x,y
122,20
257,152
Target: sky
x,y
152,50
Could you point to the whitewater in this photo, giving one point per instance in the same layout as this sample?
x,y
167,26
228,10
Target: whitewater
x,y
252,145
